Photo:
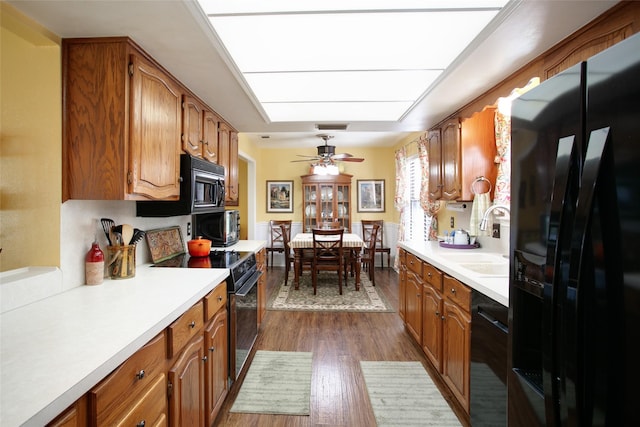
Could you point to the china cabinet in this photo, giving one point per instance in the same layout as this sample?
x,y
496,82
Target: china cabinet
x,y
326,198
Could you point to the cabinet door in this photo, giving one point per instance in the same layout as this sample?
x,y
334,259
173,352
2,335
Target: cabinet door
x,y
227,144
232,183
154,144
186,386
309,207
435,164
413,311
216,367
432,317
210,136
451,160
402,286
456,352
192,113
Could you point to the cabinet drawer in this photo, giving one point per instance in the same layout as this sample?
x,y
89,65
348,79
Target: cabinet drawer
x,y
150,409
214,301
432,276
414,264
457,292
129,379
186,327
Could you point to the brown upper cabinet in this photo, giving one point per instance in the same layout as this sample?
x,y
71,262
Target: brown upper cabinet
x,y
228,157
444,161
460,152
199,129
113,146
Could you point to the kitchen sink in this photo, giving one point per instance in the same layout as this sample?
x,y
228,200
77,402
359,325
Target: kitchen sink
x,y
488,269
477,258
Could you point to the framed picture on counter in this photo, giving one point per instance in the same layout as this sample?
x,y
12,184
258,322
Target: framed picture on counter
x,y
371,195
279,196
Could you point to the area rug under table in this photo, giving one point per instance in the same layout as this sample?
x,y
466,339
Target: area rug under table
x,y
402,394
278,382
328,297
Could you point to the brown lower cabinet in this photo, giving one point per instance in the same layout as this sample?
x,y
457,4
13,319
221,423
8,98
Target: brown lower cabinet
x,y
179,378
438,317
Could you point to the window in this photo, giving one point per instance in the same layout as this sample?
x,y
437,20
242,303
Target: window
x,y
417,228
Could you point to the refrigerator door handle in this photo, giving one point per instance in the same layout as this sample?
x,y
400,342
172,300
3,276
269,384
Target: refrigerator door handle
x,y
559,227
593,250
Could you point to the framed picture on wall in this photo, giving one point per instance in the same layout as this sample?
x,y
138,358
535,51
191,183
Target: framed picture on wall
x,y
279,196
371,195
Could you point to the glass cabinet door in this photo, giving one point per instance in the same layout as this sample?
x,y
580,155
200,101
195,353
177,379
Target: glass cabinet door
x,y
310,207
342,206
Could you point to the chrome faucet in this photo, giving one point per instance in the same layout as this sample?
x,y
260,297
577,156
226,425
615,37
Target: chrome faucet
x,y
485,217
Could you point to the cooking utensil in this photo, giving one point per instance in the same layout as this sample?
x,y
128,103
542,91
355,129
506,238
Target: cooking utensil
x,y
199,246
127,234
107,225
137,236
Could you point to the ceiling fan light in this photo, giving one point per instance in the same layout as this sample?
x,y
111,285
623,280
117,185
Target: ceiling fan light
x,y
322,169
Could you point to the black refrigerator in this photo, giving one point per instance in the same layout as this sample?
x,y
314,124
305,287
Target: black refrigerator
x,y
574,286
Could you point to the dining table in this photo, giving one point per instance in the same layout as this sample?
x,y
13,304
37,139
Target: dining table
x,y
350,241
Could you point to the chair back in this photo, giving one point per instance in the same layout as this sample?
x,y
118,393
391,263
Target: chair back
x,y
373,238
285,234
277,230
367,229
327,245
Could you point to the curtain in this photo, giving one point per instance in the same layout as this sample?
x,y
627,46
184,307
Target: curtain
x,y
430,207
400,200
502,194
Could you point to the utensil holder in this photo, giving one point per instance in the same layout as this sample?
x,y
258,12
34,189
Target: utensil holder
x,y
121,261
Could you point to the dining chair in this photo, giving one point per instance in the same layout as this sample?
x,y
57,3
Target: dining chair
x,y
327,254
306,258
368,258
276,234
367,225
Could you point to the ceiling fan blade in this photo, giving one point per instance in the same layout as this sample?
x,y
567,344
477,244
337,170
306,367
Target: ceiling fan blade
x,y
341,156
350,159
312,157
305,160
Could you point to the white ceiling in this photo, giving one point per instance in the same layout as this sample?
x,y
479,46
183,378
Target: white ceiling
x,y
177,34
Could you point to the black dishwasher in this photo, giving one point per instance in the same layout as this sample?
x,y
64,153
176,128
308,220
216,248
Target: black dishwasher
x,y
489,341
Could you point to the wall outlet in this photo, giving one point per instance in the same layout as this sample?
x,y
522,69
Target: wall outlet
x,y
496,231
188,229
452,222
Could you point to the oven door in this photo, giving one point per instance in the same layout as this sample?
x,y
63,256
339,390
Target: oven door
x,y
243,325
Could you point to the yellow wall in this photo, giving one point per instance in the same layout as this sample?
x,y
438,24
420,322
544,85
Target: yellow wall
x,y
275,164
30,148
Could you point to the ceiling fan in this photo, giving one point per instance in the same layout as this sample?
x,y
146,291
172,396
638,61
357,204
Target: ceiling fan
x,y
327,154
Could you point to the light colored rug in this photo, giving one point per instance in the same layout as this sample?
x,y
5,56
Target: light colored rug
x,y
278,382
402,394
328,296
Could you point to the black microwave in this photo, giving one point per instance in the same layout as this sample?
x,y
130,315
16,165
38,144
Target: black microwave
x,y
222,228
201,191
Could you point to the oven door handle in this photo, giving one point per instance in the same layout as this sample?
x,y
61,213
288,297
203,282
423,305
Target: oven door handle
x,y
251,281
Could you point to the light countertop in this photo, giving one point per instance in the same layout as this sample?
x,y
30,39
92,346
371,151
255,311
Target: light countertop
x,y
53,350
497,288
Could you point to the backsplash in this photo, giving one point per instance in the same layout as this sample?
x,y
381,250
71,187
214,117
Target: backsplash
x,y
80,223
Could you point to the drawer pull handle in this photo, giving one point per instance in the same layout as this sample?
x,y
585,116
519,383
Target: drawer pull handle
x,y
141,424
140,375
453,291
212,349
192,324
205,358
429,275
437,313
220,298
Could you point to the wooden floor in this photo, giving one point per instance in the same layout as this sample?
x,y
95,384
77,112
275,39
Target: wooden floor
x,y
339,341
